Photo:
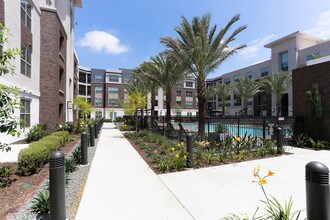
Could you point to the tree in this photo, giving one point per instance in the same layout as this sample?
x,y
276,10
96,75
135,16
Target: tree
x,y
136,99
202,50
166,72
314,97
9,95
277,83
223,91
84,108
246,88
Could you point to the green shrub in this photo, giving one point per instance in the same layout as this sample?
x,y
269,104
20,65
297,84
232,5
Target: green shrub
x,y
5,173
32,159
41,203
76,155
70,165
37,132
68,126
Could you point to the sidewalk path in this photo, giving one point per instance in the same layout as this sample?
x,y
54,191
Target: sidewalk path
x,y
121,186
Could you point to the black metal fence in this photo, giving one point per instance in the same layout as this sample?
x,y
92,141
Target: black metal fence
x,y
263,127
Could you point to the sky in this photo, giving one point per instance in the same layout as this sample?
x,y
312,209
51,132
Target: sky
x,y
112,34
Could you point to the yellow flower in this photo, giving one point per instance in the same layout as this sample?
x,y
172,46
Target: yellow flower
x,y
185,156
207,143
155,151
173,149
182,143
217,144
238,139
262,181
270,173
258,168
179,145
177,155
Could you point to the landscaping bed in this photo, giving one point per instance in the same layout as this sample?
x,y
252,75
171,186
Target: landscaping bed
x,y
165,155
23,187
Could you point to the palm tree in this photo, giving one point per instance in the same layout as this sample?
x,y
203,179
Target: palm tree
x,y
246,88
223,91
277,83
202,50
166,72
143,73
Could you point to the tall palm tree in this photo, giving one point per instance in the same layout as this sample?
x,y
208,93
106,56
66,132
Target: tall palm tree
x,y
166,72
223,91
246,88
203,50
278,83
143,73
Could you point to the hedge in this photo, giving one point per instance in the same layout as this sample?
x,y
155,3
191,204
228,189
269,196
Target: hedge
x,y
33,158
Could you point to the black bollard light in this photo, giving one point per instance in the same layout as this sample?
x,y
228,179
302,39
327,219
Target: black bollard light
x,y
92,135
279,139
84,148
96,133
317,191
57,186
190,151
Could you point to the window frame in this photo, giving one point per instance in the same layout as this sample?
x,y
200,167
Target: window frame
x,y
26,60
26,116
26,8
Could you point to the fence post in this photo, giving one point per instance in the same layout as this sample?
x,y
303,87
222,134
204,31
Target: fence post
x,y
208,128
264,128
190,151
180,133
84,148
317,191
57,186
238,125
92,135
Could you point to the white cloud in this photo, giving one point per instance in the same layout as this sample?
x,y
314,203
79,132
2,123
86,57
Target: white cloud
x,y
322,28
255,47
102,41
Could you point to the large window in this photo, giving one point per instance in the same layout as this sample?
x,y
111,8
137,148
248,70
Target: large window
x,y
82,90
113,90
26,14
189,93
114,78
189,84
264,71
25,62
178,93
98,78
284,61
249,74
98,101
178,103
98,114
189,104
25,113
98,89
236,78
113,102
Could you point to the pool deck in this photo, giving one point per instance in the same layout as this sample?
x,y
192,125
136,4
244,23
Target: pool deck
x,y
120,185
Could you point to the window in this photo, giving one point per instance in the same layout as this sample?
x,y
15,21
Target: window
x,y
88,90
189,104
89,78
178,103
236,78
98,89
98,101
249,74
264,71
113,90
263,100
284,59
48,2
156,102
178,93
226,80
98,78
98,114
25,112
189,84
113,78
189,93
113,102
189,114
82,90
25,62
313,56
237,100
26,14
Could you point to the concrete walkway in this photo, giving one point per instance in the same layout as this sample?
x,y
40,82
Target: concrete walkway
x,y
122,186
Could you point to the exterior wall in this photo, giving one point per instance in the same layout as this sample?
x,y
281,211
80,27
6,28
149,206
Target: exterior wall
x,y
303,78
2,12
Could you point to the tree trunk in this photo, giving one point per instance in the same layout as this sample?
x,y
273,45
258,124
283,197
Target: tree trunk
x,y
278,108
223,108
152,115
168,105
136,121
245,107
201,105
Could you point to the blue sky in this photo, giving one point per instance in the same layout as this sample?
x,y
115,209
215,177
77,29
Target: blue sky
x,y
114,34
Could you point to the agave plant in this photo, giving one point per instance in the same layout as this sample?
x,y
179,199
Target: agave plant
x,y
41,203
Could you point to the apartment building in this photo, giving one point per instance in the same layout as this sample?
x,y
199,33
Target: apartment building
x,y
46,73
105,90
287,54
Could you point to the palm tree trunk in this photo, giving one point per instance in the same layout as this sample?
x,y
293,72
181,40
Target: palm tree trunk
x,y
278,107
245,107
223,108
201,105
168,105
152,115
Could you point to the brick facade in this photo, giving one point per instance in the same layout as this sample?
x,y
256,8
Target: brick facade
x,y
52,70
303,78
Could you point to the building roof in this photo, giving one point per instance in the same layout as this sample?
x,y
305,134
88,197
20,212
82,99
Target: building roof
x,y
296,34
78,3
